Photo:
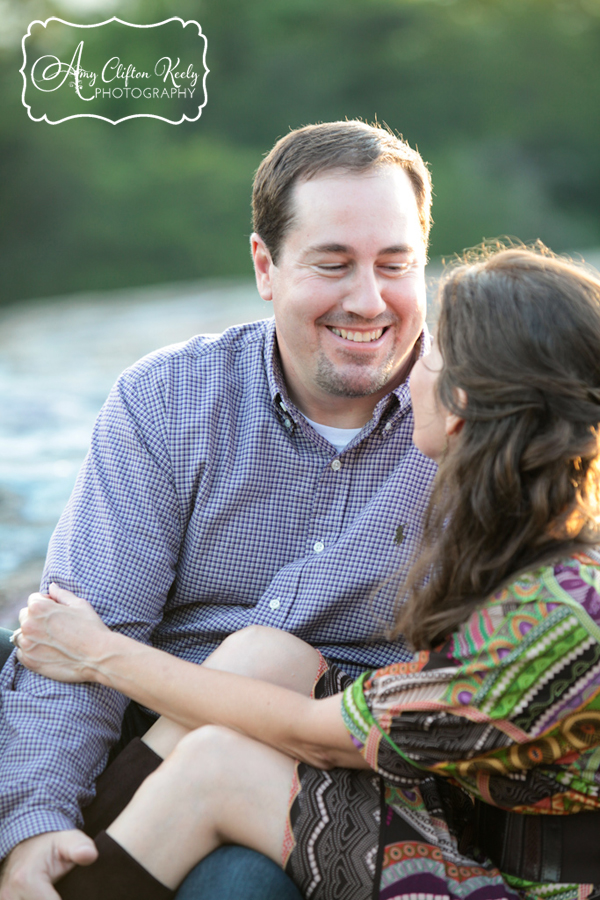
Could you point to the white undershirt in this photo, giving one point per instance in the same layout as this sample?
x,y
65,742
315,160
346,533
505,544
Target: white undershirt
x,y
338,437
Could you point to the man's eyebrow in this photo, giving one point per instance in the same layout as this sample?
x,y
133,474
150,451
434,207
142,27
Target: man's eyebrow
x,y
397,248
344,248
329,248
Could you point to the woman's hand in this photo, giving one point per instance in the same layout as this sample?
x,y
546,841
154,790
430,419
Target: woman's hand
x,y
61,636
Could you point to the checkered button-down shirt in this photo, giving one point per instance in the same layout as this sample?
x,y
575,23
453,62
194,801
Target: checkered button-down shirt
x,y
207,503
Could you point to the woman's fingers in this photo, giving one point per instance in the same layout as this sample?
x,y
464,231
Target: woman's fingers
x,y
37,610
65,597
42,605
59,635
34,598
58,595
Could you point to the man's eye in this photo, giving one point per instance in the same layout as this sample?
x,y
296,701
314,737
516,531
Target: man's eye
x,y
400,268
332,267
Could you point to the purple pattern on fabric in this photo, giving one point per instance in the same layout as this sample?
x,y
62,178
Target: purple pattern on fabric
x,y
419,883
427,883
579,589
492,892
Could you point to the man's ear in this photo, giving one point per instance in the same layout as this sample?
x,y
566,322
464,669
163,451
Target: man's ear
x,y
454,423
263,266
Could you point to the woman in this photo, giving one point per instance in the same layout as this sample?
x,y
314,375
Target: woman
x,y
488,743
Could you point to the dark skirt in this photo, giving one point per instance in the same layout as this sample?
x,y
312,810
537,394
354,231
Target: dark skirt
x,y
347,841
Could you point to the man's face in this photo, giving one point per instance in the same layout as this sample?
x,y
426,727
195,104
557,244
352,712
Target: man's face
x,y
348,291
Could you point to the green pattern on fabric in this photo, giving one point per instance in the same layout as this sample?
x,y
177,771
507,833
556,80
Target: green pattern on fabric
x,y
513,719
355,711
518,681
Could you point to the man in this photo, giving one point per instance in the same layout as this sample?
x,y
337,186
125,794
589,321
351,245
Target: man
x,y
264,476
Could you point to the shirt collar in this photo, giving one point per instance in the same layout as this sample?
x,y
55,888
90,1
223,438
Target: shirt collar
x,y
286,408
402,392
277,388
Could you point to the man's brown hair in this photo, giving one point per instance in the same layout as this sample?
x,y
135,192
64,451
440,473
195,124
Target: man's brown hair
x,y
303,154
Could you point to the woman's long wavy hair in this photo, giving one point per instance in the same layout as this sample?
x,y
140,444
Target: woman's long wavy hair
x,y
519,332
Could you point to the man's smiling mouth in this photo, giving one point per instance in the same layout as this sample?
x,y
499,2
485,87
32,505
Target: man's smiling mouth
x,y
360,337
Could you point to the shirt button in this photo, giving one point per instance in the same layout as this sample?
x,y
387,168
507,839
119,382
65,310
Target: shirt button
x,y
336,465
287,423
387,427
275,603
319,546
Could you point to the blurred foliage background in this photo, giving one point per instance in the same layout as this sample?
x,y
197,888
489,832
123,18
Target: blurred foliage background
x,y
502,97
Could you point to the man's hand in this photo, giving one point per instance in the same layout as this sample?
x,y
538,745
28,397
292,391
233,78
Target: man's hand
x,y
60,635
34,865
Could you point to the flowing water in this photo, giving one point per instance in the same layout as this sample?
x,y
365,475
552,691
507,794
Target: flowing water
x,y
58,360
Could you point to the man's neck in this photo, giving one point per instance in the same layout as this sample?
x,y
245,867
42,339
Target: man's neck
x,y
339,412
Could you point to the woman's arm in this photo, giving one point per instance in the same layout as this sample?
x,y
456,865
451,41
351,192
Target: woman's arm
x,y
64,639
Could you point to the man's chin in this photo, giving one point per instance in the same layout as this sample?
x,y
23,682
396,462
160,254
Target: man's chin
x,y
346,384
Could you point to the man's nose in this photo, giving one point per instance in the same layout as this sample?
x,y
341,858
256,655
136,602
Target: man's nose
x,y
364,297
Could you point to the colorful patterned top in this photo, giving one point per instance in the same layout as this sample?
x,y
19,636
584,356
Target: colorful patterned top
x,y
508,709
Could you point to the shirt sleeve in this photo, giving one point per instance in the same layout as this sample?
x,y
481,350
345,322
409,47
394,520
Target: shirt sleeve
x,y
488,710
116,544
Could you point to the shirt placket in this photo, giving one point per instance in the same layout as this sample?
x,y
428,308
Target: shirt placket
x,y
330,502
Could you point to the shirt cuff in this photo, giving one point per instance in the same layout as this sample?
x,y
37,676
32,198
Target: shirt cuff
x,y
19,827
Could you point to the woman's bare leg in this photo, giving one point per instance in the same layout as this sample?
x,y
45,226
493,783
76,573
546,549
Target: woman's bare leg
x,y
216,787
256,652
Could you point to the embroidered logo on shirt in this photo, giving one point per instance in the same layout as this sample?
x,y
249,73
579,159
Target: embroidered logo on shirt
x,y
399,537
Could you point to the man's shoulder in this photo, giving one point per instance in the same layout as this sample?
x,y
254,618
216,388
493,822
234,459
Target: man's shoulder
x,y
203,354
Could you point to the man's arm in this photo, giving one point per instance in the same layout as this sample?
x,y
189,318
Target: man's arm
x,y
118,538
64,638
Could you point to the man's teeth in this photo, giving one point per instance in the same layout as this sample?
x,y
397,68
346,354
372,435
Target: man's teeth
x,y
359,336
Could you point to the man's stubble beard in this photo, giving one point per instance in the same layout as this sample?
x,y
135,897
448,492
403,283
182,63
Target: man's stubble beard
x,y
352,384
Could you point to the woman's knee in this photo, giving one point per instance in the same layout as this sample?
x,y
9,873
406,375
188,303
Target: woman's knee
x,y
269,654
208,756
244,649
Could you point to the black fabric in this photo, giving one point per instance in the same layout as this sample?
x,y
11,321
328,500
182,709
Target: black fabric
x,y
114,876
136,723
335,822
333,681
554,849
117,785
6,648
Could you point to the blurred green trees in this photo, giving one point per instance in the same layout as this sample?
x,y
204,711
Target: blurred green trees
x,y
501,96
